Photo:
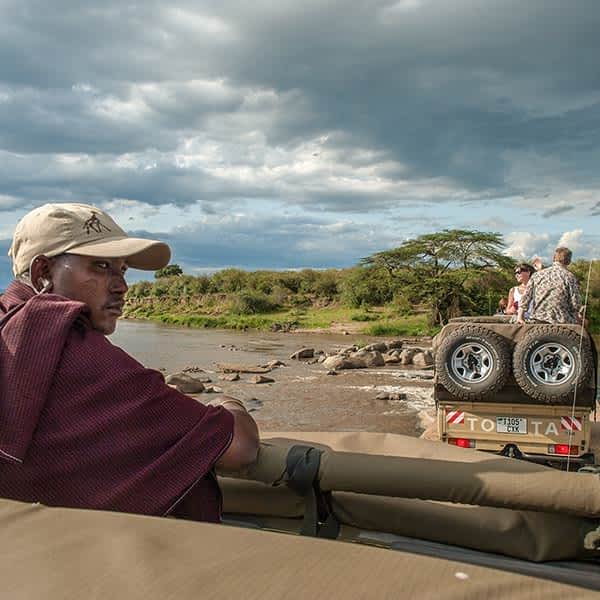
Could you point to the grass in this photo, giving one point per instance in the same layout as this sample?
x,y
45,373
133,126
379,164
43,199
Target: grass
x,y
213,322
377,321
365,317
401,327
315,318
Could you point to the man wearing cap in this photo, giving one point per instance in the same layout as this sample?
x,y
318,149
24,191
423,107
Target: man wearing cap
x,y
82,423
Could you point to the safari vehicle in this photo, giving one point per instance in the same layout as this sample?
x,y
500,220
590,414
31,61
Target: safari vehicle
x,y
329,514
424,520
341,515
521,391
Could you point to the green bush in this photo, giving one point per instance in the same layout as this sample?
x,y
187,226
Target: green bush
x,y
402,305
197,286
229,281
142,289
326,284
290,280
366,286
169,271
280,295
160,289
252,303
364,317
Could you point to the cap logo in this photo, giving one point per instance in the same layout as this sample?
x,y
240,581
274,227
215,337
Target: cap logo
x,y
94,224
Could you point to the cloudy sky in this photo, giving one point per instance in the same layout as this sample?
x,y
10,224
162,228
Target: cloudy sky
x,y
288,134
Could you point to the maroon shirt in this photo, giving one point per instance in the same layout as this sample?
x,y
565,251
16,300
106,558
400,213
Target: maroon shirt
x,y
83,424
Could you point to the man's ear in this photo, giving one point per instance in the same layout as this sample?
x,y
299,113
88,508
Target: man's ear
x,y
40,273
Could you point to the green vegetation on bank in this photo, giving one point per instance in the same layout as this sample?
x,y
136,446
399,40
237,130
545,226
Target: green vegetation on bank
x,y
411,290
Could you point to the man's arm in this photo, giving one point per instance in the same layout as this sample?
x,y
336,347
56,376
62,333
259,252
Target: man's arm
x,y
244,445
575,296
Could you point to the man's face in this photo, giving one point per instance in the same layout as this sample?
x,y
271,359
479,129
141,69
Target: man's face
x,y
99,282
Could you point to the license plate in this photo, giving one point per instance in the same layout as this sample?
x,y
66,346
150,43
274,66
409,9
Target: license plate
x,y
511,425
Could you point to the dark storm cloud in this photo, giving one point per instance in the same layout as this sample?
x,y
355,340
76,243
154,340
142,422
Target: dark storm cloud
x,y
297,242
155,181
446,88
464,91
557,210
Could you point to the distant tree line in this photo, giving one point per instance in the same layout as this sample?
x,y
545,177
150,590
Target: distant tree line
x,y
446,274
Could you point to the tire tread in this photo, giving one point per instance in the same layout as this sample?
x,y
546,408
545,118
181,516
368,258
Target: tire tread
x,y
537,392
501,370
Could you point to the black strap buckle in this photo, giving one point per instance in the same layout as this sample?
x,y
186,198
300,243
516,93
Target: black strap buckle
x,y
302,470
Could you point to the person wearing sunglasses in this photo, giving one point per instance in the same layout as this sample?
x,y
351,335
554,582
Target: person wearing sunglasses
x,y
523,272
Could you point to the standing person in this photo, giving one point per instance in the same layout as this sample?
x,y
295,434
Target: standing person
x,y
554,292
83,424
523,273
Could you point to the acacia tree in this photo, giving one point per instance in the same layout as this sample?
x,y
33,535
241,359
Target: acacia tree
x,y
436,268
169,271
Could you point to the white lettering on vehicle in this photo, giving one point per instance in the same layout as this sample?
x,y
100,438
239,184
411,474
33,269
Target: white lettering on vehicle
x,y
487,425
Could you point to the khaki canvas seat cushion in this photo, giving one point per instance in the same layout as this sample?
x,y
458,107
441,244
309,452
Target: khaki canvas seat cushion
x,y
416,468
533,535
68,554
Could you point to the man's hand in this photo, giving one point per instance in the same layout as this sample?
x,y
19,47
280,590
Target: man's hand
x,y
520,317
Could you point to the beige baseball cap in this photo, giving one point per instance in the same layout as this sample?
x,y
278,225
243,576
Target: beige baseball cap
x,y
54,229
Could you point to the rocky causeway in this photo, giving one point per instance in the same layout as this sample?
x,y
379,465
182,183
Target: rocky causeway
x,y
333,382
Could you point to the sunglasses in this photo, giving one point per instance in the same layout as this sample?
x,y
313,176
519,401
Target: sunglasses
x,y
518,272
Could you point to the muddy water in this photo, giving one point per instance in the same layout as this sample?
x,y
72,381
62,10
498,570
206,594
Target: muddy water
x,y
303,397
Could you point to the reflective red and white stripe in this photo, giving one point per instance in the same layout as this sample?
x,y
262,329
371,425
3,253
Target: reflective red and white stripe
x,y
455,417
571,424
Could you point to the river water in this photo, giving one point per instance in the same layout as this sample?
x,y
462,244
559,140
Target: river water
x,y
303,396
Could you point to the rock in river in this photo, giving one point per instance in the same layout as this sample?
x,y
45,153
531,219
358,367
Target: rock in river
x,y
406,356
303,353
337,363
213,389
185,383
231,368
229,377
371,359
423,359
260,379
378,346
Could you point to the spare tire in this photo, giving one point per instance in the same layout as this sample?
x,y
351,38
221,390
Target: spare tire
x,y
548,364
473,362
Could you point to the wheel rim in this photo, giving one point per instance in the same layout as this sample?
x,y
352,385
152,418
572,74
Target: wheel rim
x,y
551,364
471,363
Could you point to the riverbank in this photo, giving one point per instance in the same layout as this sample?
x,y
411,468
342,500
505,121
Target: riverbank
x,y
375,321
